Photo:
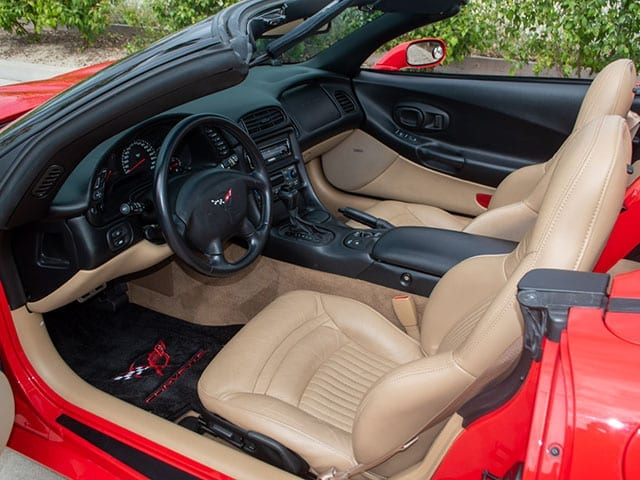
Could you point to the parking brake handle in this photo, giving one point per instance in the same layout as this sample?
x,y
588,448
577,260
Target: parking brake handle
x,y
365,218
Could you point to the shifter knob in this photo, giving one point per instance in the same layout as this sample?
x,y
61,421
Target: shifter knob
x,y
290,196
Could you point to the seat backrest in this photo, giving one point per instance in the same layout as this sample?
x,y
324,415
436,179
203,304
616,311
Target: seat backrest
x,y
472,328
509,215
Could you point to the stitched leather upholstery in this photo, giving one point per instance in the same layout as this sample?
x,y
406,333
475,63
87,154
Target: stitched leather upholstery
x,y
336,382
508,216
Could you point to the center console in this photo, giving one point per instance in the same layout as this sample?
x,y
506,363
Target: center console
x,y
411,259
297,213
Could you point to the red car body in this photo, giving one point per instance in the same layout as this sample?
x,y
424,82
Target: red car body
x,y
18,99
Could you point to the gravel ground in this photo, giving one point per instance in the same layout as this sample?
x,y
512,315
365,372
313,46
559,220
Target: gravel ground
x,y
62,48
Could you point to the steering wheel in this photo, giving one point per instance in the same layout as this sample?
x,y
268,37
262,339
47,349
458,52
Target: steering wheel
x,y
200,211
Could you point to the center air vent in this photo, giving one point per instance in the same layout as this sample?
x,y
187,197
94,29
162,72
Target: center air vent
x,y
262,120
47,181
345,101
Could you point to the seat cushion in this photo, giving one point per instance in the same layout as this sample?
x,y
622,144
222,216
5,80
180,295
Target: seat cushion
x,y
402,214
298,371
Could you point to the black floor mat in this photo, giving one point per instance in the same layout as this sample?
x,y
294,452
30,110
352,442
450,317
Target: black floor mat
x,y
143,357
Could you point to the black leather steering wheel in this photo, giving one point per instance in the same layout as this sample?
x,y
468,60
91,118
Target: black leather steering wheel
x,y
200,211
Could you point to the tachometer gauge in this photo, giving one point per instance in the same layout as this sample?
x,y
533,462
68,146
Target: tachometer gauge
x,y
140,155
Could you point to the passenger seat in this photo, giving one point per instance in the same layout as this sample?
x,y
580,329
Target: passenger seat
x,y
509,214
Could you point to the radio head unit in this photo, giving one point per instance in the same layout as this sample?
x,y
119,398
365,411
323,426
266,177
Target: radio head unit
x,y
275,151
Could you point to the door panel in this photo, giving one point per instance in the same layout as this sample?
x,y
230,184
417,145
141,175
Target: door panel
x,y
362,165
7,412
477,129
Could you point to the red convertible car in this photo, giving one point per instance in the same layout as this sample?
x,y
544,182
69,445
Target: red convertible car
x,y
241,253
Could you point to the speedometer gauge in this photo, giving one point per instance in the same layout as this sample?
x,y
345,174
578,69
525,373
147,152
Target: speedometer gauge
x,y
140,155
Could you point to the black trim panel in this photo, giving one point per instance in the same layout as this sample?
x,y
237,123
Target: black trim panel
x,y
141,462
624,305
495,396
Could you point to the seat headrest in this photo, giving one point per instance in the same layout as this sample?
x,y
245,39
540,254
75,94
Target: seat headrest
x,y
610,93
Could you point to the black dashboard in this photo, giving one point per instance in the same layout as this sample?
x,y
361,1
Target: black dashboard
x,y
106,204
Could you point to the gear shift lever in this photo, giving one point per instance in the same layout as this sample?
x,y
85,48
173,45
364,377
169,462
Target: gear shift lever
x,y
299,227
291,198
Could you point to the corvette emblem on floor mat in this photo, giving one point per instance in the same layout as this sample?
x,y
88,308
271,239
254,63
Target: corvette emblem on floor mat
x,y
156,360
174,378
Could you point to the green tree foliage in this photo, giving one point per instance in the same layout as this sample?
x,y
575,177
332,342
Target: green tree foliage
x,y
90,17
572,36
173,15
157,18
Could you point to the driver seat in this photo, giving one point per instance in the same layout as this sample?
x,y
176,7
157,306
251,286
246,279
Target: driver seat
x,y
336,382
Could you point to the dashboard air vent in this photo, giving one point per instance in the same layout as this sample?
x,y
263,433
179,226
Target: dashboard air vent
x,y
47,181
263,120
346,102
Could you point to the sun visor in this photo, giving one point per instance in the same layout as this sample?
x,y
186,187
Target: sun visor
x,y
424,7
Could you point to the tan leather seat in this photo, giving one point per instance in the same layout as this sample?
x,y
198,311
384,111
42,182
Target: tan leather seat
x,y
508,215
336,382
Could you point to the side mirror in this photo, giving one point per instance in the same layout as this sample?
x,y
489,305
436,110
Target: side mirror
x,y
423,53
427,53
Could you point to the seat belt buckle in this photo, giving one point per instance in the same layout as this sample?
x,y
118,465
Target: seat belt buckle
x,y
405,309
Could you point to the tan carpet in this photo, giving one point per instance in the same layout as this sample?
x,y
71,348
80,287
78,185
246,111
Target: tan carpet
x,y
177,291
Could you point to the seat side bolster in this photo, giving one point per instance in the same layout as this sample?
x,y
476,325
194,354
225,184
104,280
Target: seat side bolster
x,y
319,443
413,396
517,185
510,222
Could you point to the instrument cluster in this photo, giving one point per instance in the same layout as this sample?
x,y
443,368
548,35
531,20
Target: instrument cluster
x,y
123,183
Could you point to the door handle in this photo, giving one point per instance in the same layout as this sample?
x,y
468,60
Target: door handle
x,y
420,117
434,122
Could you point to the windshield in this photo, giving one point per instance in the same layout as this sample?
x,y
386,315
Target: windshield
x,y
341,26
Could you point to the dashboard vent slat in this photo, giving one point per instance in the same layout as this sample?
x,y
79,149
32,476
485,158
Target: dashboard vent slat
x,y
47,181
345,101
264,119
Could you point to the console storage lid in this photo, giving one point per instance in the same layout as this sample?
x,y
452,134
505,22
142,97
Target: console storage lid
x,y
432,250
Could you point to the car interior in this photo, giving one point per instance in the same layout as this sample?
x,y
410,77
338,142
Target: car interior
x,y
314,272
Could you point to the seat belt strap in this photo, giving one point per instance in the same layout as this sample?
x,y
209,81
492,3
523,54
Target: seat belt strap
x,y
334,474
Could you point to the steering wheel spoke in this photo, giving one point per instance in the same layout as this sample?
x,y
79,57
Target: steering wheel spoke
x,y
215,247
248,229
216,261
180,225
217,204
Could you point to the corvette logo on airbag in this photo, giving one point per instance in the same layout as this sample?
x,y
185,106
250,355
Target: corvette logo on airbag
x,y
226,200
